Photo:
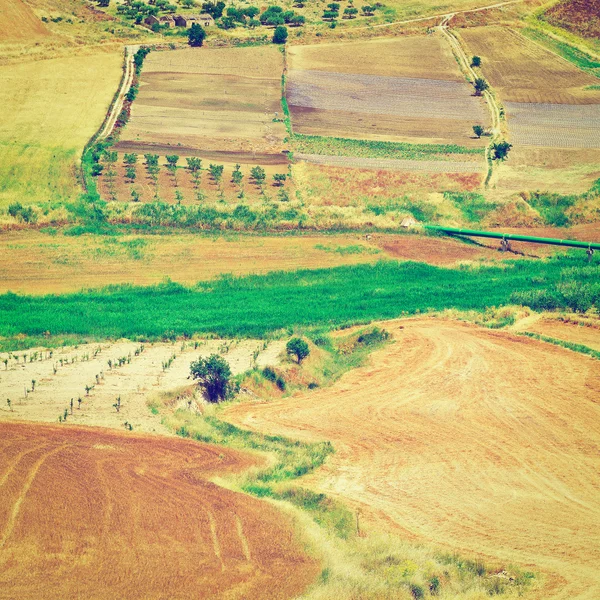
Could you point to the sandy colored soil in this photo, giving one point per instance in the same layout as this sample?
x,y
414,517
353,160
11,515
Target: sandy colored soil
x,y
35,263
421,96
18,22
97,514
138,382
211,99
522,71
568,332
480,441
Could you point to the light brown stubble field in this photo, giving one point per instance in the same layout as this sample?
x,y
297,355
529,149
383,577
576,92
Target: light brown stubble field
x,y
478,440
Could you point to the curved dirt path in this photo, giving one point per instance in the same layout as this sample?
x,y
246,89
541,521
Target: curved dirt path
x,y
90,513
481,441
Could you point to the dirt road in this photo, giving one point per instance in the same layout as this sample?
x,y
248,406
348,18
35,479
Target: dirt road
x,y
476,440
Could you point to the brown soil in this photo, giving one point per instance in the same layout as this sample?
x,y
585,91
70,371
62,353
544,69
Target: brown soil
x,y
215,100
35,263
97,514
579,16
467,438
18,22
568,332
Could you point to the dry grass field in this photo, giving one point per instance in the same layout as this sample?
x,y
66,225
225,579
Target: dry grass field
x,y
421,95
220,100
522,71
469,438
50,109
35,263
98,514
578,16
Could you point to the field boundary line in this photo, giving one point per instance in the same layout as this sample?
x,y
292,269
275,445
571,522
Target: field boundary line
x,y
471,76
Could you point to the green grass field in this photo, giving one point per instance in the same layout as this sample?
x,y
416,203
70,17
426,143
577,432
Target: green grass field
x,y
282,301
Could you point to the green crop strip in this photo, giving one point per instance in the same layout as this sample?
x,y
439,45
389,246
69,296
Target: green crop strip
x,y
260,305
333,146
563,344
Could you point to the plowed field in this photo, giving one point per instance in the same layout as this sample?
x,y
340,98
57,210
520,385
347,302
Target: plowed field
x,y
473,439
19,23
96,514
210,99
404,89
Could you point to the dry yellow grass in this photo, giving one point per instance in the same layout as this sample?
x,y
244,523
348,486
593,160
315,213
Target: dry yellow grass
x,y
50,109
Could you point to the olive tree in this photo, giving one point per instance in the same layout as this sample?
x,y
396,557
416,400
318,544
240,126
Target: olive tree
x,y
298,348
214,377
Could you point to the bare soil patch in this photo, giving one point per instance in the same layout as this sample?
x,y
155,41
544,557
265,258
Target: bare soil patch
x,y
210,99
467,438
98,514
554,125
420,94
525,72
18,22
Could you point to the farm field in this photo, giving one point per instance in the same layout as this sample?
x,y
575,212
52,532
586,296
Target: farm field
x,y
19,22
138,382
103,514
50,110
522,71
36,263
458,436
586,335
214,100
330,92
578,16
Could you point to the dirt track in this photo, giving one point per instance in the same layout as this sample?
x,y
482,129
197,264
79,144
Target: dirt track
x,y
477,440
97,514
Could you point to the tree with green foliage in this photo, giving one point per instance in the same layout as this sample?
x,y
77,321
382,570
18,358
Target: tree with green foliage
x,y
237,175
130,159
476,61
298,348
367,10
194,165
214,9
500,150
478,130
172,160
196,35
97,169
350,12
481,85
259,175
151,160
213,375
298,20
279,179
216,172
280,35
130,173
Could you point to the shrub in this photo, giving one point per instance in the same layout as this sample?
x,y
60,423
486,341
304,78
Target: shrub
x,y
196,35
375,336
476,61
271,375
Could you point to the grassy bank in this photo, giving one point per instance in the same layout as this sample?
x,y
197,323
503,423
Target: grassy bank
x,y
261,305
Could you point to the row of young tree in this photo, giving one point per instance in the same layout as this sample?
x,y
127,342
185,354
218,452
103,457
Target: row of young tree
x,y
194,167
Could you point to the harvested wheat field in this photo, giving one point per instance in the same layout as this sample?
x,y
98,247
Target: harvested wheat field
x,y
209,99
50,109
522,71
477,440
99,374
98,514
421,95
